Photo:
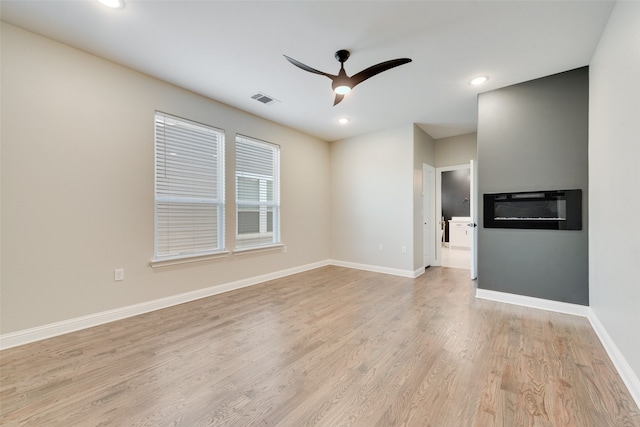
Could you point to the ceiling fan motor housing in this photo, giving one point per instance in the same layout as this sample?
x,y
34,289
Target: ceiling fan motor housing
x,y
342,55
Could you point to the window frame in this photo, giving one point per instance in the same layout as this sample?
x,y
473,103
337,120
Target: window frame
x,y
264,206
185,199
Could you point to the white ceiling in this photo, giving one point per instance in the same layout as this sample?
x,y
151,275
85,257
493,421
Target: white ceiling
x,y
230,50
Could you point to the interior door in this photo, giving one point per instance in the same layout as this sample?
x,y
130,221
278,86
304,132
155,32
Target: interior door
x,y
473,225
428,211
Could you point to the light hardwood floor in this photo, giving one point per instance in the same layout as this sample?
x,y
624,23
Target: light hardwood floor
x,y
328,347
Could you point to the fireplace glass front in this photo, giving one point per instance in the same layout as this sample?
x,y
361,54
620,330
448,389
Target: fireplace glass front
x,y
550,210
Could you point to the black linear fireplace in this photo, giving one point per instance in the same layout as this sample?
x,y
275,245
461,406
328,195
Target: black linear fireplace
x,y
548,210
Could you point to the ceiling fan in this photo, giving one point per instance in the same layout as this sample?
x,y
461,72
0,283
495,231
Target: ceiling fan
x,y
342,84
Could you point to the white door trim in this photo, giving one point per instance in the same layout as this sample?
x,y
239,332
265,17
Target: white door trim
x,y
474,218
430,224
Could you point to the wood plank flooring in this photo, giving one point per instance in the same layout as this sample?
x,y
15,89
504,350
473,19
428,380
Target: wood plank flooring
x,y
328,347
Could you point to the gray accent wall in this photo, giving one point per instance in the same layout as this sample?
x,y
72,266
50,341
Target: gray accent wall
x,y
534,136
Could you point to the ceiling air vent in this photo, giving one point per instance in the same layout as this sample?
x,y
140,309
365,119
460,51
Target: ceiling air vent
x,y
265,99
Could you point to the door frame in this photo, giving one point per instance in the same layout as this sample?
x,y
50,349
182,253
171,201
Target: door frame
x,y
473,182
429,222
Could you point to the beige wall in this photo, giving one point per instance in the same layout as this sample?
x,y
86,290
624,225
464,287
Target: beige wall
x,y
423,152
614,151
77,186
372,199
456,150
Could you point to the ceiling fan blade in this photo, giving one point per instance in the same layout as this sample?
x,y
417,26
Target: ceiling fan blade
x,y
377,69
307,68
340,80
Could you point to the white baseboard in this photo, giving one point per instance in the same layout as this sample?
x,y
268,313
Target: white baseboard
x,y
38,333
539,303
629,377
378,269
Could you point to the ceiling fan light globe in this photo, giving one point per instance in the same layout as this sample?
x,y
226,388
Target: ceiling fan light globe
x,y
342,90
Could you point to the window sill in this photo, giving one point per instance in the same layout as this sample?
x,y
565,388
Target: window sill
x,y
187,259
244,251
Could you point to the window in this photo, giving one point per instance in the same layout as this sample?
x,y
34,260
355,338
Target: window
x,y
189,188
257,193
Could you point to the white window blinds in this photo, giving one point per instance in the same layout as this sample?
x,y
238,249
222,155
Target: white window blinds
x,y
257,193
189,188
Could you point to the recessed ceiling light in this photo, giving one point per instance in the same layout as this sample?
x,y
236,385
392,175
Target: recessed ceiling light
x,y
114,4
479,80
343,121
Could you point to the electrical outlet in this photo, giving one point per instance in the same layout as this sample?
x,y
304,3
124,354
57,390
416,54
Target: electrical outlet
x,y
380,247
404,250
284,249
118,274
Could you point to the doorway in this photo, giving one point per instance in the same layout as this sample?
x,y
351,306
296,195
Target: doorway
x,y
454,212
